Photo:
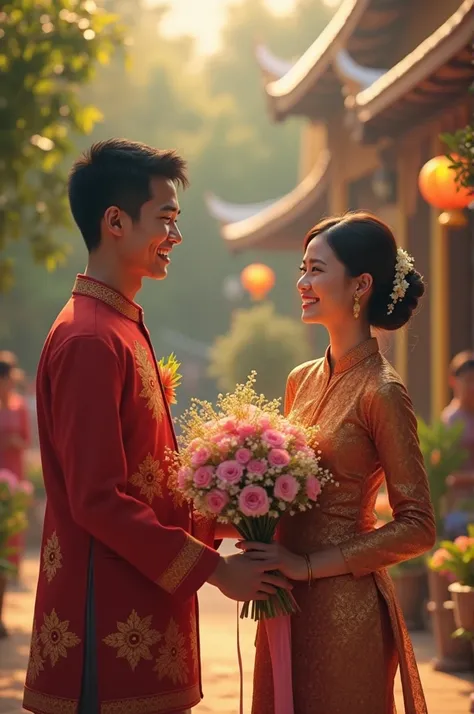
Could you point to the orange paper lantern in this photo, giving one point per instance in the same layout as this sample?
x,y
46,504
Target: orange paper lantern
x,y
437,183
258,279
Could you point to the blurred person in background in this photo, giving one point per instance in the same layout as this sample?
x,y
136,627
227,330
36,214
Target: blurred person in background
x,y
14,434
461,410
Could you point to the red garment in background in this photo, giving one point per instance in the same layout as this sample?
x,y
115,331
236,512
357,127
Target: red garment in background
x,y
14,421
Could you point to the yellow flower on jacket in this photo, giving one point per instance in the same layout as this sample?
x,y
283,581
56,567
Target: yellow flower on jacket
x,y
172,656
52,557
56,637
148,479
150,388
35,662
133,639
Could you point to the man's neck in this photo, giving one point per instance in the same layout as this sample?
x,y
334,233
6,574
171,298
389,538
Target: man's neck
x,y
112,276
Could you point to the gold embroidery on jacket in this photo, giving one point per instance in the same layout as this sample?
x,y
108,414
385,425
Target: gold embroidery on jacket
x,y
37,701
56,638
110,297
182,565
172,658
150,387
148,479
169,701
35,662
194,641
52,557
134,639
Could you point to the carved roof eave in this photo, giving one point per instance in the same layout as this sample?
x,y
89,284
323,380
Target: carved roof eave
x,y
271,223
436,50
284,93
227,212
272,66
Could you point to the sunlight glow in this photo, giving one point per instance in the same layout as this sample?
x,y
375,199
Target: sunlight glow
x,y
203,19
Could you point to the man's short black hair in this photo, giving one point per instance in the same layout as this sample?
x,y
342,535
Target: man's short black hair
x,y
117,172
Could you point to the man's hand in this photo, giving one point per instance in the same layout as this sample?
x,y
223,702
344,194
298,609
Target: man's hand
x,y
239,578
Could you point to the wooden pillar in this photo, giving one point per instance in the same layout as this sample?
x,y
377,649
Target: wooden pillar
x,y
403,165
313,141
439,308
338,191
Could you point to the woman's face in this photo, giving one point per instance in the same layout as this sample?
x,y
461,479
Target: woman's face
x,y
327,292
6,386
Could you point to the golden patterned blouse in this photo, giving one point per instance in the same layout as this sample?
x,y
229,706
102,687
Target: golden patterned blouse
x,y
367,432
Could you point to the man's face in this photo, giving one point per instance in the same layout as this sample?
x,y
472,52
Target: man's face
x,y
145,245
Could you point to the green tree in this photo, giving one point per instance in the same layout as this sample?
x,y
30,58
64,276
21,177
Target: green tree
x,y
259,339
49,49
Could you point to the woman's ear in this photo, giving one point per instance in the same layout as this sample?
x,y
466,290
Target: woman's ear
x,y
364,284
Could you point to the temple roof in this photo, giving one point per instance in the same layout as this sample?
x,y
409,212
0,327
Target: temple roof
x,y
272,66
354,42
282,224
436,73
226,212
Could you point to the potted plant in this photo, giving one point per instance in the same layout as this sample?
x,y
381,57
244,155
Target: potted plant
x,y
14,499
457,558
442,453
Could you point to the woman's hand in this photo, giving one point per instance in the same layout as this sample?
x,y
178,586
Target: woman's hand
x,y
277,557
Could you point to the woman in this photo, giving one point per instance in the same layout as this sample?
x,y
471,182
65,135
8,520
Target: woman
x,y
14,432
350,635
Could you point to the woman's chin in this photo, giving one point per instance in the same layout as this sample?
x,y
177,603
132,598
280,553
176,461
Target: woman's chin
x,y
310,317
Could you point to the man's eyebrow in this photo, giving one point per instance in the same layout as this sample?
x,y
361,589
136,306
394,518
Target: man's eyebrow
x,y
170,207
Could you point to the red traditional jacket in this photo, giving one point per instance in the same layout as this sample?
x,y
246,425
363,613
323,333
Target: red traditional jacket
x,y
104,425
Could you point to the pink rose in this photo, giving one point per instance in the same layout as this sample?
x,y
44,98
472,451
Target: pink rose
x,y
230,471
25,487
228,424
463,543
243,456
216,500
184,475
286,488
440,557
257,467
313,488
273,438
253,501
203,476
264,422
200,456
279,457
9,478
246,430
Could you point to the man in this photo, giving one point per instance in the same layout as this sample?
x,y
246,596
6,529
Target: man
x,y
115,628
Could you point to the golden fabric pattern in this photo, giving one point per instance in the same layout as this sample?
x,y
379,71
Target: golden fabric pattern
x,y
171,701
35,662
37,701
182,565
150,386
133,639
172,657
367,432
148,479
194,642
56,638
99,291
52,557
174,491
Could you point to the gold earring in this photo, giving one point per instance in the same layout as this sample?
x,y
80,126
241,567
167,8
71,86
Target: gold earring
x,y
356,307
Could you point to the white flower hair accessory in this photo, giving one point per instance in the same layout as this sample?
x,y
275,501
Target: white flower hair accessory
x,y
404,265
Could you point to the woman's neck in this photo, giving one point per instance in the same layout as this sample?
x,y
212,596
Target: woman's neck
x,y
346,337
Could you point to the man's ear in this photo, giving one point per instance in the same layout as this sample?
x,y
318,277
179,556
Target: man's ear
x,y
113,221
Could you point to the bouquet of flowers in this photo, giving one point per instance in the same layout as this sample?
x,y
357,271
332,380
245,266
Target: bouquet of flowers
x,y
14,499
243,463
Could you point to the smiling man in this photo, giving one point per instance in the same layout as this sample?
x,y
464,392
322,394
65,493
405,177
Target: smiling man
x,y
115,623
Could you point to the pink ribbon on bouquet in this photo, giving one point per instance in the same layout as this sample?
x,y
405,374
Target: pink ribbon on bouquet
x,y
279,642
